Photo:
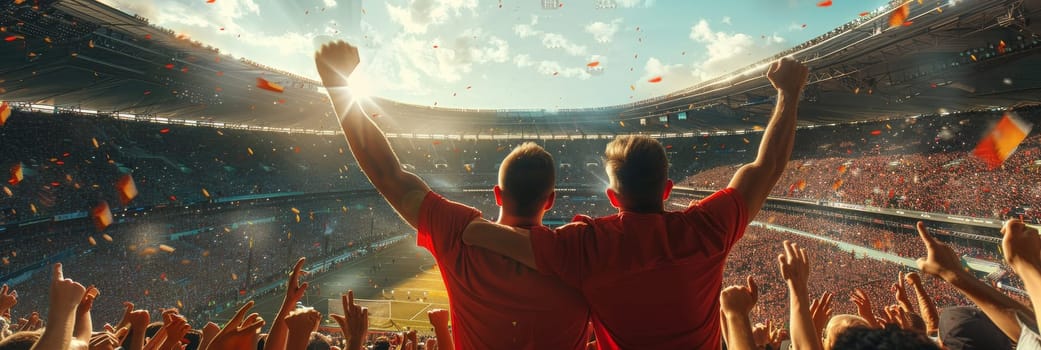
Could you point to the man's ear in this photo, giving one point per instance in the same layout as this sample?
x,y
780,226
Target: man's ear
x,y
498,195
668,190
613,197
549,200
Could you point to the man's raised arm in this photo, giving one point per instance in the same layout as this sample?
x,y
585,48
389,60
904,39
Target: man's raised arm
x,y
403,190
754,181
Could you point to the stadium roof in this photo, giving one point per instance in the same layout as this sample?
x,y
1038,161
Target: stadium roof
x,y
81,54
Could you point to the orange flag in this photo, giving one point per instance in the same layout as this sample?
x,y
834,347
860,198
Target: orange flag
x,y
1002,141
127,189
269,86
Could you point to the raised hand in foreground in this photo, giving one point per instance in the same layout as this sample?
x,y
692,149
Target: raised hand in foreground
x,y
736,303
301,323
354,323
943,262
1022,248
240,332
277,335
795,269
439,318
65,297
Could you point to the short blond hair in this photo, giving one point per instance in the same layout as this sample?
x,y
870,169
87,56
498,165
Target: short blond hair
x,y
527,177
638,169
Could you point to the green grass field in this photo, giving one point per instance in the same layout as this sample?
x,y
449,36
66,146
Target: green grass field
x,y
403,267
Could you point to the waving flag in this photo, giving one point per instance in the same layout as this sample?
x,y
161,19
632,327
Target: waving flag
x,y
1002,141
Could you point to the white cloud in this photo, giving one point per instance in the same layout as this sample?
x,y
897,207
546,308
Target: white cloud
x,y
557,41
634,3
726,20
329,3
523,60
728,51
418,15
524,30
604,32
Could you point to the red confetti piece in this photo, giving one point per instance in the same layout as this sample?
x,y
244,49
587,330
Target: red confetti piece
x,y
835,186
55,184
220,74
169,66
1001,49
865,13
173,198
824,3
654,80
5,112
210,1
593,64
102,216
876,132
899,16
148,36
164,131
127,189
267,85
11,38
148,92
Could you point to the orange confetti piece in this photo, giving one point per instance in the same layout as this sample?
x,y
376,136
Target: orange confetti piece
x,y
6,261
745,140
1001,49
295,211
865,13
210,1
654,80
1002,140
593,64
234,277
127,189
825,3
5,112
166,248
16,174
106,237
899,15
801,184
835,186
842,169
32,207
632,87
269,86
149,251
205,193
757,128
298,218
90,239
102,216
250,150
95,142
8,192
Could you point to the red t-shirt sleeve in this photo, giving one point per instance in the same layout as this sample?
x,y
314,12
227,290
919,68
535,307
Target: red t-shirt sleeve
x,y
441,225
560,252
723,213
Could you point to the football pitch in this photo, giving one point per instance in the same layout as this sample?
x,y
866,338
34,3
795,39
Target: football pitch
x,y
401,281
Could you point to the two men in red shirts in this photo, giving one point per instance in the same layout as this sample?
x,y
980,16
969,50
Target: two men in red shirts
x,y
646,277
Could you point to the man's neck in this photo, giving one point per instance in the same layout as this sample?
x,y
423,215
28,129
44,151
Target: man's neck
x,y
518,221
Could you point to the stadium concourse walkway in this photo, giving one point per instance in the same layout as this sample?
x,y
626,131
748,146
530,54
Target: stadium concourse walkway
x,y
855,249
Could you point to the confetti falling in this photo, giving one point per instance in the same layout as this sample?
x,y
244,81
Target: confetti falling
x,y
166,248
16,174
102,216
593,64
295,211
205,193
90,239
269,86
899,16
825,3
106,237
835,186
95,142
8,192
1002,140
5,112
654,80
250,150
1001,51
127,189
865,13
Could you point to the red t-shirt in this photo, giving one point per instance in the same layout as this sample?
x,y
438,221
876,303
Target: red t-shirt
x,y
651,280
497,303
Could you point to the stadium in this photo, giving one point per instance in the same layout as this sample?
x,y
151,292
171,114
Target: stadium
x,y
173,175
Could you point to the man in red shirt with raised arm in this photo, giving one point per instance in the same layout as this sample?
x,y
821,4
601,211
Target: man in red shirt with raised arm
x,y
653,277
496,303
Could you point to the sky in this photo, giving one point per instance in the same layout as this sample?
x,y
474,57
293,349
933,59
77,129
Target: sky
x,y
508,54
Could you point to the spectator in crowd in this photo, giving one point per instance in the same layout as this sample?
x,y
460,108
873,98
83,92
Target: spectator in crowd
x,y
497,304
636,254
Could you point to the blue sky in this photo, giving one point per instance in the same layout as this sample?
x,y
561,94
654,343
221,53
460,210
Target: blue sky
x,y
519,55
